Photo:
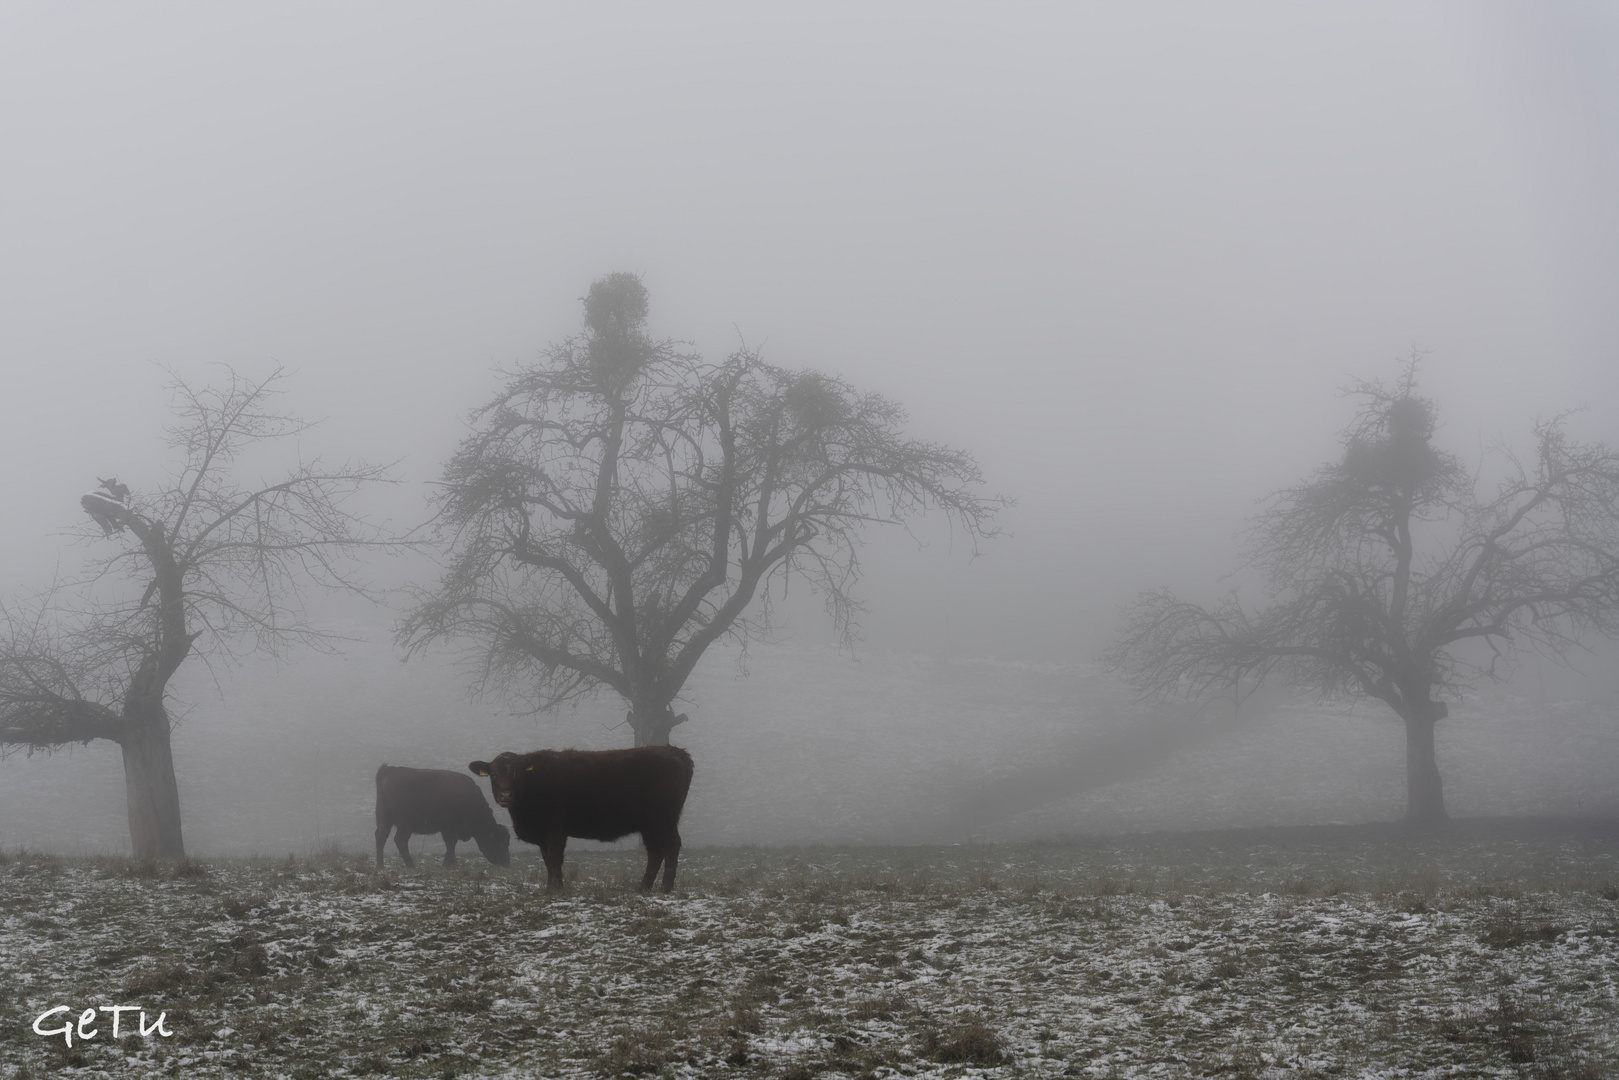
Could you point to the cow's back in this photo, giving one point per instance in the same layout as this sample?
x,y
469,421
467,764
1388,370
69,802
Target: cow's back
x,y
605,794
431,800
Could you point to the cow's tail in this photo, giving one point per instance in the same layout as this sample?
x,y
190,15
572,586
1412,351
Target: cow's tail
x,y
384,767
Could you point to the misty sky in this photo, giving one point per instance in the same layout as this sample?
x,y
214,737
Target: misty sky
x,y
1126,254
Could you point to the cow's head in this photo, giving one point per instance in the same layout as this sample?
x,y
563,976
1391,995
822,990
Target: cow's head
x,y
496,845
502,773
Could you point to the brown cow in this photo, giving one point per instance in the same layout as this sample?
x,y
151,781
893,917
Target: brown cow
x,y
595,795
437,801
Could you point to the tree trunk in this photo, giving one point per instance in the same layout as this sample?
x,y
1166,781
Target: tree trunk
x,y
150,788
653,726
1425,792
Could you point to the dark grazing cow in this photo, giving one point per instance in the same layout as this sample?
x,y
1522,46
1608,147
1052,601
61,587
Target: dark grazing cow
x,y
437,801
595,795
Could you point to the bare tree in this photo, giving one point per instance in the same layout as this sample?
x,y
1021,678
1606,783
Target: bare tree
x,y
1396,574
200,557
622,505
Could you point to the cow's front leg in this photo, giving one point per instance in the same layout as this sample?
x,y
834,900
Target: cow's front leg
x,y
449,850
551,851
402,842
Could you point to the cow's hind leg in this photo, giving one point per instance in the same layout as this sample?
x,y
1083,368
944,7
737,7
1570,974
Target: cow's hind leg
x,y
671,859
654,856
383,829
402,842
667,844
449,850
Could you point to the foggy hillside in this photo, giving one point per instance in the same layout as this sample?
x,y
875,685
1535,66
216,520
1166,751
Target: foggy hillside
x,y
807,746
1124,258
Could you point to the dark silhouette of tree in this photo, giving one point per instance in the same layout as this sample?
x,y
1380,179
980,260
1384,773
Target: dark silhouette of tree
x,y
622,505
204,565
1395,574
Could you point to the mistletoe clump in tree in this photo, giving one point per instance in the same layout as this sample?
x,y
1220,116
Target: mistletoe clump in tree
x,y
1398,575
622,505
201,564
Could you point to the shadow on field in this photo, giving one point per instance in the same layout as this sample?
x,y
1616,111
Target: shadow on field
x,y
1149,742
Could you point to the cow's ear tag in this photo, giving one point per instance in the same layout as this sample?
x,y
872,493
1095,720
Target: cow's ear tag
x,y
529,769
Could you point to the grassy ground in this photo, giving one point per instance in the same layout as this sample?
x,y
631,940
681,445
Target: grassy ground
x,y
1238,955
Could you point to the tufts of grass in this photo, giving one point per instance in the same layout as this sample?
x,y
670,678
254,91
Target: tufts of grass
x,y
639,1052
157,981
972,1042
883,1007
1530,1034
862,1062
188,869
252,961
35,863
239,907
471,1001
1508,929
760,990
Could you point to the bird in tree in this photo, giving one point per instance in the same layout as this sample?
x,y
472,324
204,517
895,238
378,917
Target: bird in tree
x,y
622,504
1399,575
202,564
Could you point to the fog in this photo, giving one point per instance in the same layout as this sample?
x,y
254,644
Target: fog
x,y
1128,256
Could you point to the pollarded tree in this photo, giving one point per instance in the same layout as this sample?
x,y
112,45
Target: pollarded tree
x,y
1397,575
622,505
204,564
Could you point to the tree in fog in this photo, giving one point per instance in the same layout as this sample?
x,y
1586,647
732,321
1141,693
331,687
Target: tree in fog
x,y
622,504
203,563
1397,574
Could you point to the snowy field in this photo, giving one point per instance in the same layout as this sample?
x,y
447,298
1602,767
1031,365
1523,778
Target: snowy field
x,y
1283,955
